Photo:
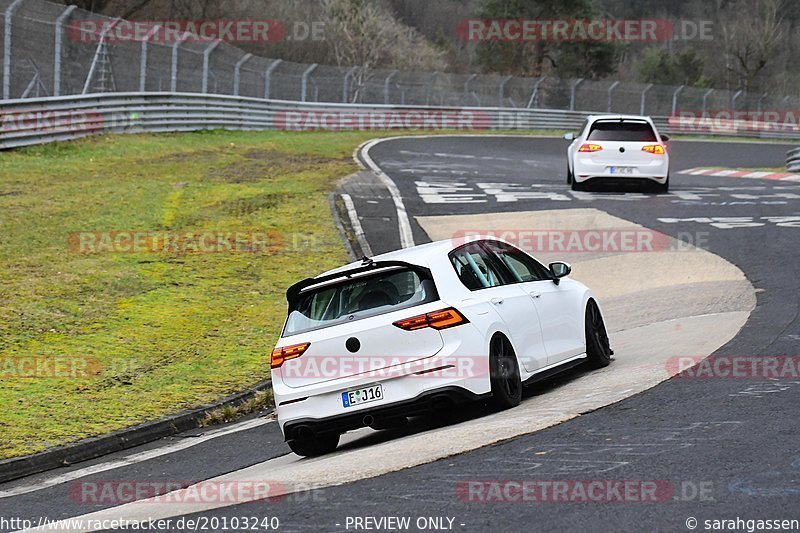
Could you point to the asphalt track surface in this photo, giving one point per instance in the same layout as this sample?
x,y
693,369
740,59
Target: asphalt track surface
x,y
728,448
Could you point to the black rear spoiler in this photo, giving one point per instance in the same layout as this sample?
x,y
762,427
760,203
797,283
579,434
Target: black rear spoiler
x,y
293,292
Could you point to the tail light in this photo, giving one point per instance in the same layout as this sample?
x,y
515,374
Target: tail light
x,y
590,148
442,319
280,355
654,149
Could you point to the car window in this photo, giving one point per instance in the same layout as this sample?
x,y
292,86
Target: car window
x,y
475,268
358,297
622,130
522,266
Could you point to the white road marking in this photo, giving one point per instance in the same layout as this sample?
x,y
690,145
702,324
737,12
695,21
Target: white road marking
x,y
403,223
356,224
183,444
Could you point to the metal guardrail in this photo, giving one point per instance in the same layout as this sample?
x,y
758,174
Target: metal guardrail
x,y
793,160
32,121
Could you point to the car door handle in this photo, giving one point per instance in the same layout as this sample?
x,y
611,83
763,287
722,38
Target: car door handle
x,y
535,294
496,301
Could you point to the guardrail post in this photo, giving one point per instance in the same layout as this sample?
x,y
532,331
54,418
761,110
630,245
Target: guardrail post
x,y
57,57
644,96
268,76
705,96
572,93
143,61
501,91
237,73
206,54
304,81
173,84
386,86
346,84
7,47
675,98
611,90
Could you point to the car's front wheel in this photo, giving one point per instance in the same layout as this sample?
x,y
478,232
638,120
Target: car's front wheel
x,y
598,349
315,446
505,377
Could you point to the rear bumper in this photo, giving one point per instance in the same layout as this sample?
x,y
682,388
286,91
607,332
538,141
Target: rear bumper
x,y
586,169
453,368
427,402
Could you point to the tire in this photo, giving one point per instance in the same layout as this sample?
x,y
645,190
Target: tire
x,y
598,349
505,378
662,188
578,186
314,447
569,175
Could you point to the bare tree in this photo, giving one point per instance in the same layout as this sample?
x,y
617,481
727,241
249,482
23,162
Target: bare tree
x,y
751,42
365,34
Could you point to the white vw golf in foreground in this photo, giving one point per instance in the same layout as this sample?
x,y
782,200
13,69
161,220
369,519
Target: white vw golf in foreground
x,y
618,147
421,329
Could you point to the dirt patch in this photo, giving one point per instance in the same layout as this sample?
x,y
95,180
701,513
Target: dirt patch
x,y
247,206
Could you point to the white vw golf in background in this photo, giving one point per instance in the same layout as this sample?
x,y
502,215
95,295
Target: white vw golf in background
x,y
624,147
424,328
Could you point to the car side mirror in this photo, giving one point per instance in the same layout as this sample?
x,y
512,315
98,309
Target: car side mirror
x,y
665,138
559,269
569,136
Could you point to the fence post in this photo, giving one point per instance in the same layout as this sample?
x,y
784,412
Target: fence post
x,y
346,84
761,101
7,48
501,91
535,91
572,93
644,93
675,98
173,84
610,90
466,87
237,72
304,81
705,97
57,60
97,53
735,97
143,61
268,76
386,86
206,54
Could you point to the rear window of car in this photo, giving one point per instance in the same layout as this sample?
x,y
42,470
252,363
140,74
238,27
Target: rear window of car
x,y
358,297
622,130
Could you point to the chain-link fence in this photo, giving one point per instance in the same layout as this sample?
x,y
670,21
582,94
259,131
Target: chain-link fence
x,y
47,50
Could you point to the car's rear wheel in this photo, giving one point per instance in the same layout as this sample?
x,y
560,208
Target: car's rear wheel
x,y
662,188
315,446
505,377
569,175
576,186
598,349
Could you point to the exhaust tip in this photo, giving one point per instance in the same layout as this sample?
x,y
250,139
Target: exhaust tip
x,y
304,433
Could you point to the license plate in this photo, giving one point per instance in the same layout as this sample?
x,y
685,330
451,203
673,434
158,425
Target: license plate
x,y
372,393
620,170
